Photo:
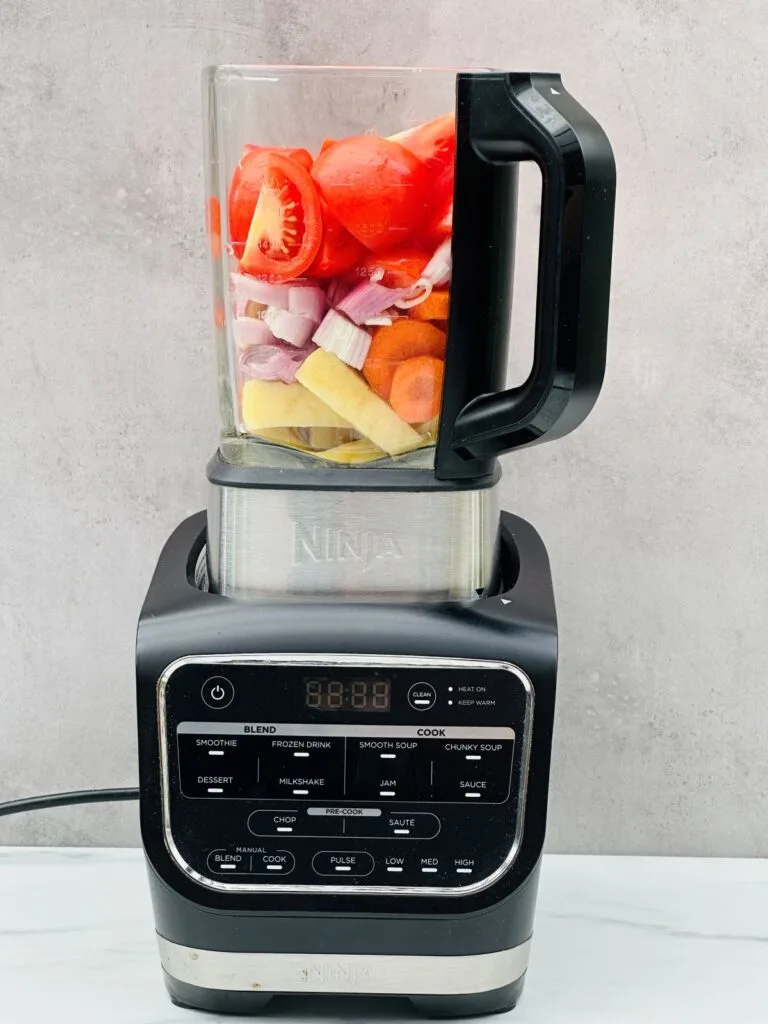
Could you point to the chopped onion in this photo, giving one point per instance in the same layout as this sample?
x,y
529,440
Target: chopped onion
x,y
337,289
436,273
368,299
346,340
378,321
415,295
249,331
246,288
307,300
438,270
273,362
290,327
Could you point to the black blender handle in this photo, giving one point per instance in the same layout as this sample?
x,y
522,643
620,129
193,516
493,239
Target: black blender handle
x,y
502,119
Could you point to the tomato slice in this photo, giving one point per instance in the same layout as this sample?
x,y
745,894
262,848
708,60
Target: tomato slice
x,y
285,230
401,269
338,249
378,189
246,185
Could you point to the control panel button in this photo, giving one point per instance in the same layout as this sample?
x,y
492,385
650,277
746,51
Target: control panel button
x,y
218,693
464,866
304,767
422,696
342,864
387,769
293,823
428,867
472,770
396,825
214,767
223,862
272,862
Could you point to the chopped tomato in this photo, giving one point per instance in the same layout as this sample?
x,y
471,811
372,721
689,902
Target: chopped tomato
x,y
434,143
338,249
246,185
213,223
378,189
285,228
301,156
401,269
441,226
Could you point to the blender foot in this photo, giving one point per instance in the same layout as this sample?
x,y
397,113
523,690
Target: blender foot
x,y
476,1005
191,997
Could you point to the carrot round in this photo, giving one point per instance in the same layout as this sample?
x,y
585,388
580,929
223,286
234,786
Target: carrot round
x,y
417,389
390,346
434,307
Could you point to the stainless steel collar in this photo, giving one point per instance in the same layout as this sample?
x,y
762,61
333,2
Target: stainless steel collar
x,y
408,545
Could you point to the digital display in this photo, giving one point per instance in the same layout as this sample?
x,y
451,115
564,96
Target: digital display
x,y
326,694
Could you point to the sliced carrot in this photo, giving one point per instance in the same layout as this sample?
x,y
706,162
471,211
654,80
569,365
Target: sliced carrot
x,y
434,307
390,346
417,388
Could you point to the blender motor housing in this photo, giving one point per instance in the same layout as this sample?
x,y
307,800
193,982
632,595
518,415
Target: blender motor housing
x,y
453,938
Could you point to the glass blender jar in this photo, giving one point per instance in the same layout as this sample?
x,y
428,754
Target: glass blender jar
x,y
361,225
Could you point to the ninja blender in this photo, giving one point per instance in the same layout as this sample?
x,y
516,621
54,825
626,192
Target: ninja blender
x,y
346,667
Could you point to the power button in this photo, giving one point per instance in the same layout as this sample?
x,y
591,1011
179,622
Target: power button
x,y
218,692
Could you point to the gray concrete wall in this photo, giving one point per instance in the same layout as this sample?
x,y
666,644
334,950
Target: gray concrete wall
x,y
654,511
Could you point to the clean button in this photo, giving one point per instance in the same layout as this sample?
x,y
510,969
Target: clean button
x,y
422,696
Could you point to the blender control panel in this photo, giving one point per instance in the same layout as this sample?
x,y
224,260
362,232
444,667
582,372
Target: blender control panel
x,y
383,774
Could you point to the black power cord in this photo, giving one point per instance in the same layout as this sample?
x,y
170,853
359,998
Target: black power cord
x,y
79,796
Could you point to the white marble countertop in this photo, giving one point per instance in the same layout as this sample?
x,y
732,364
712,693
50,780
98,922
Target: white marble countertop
x,y
618,940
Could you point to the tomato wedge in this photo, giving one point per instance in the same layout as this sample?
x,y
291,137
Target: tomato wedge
x,y
434,143
213,224
300,156
338,249
441,226
285,229
246,185
378,189
401,269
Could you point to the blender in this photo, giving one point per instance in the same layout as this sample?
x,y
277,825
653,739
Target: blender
x,y
346,667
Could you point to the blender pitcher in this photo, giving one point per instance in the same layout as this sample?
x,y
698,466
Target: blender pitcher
x,y
361,224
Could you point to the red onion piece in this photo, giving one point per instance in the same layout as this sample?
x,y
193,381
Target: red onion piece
x,y
368,299
346,340
250,288
296,330
337,289
273,362
249,331
308,301
415,295
438,270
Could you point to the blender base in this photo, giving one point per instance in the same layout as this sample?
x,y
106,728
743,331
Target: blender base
x,y
435,1005
252,1004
